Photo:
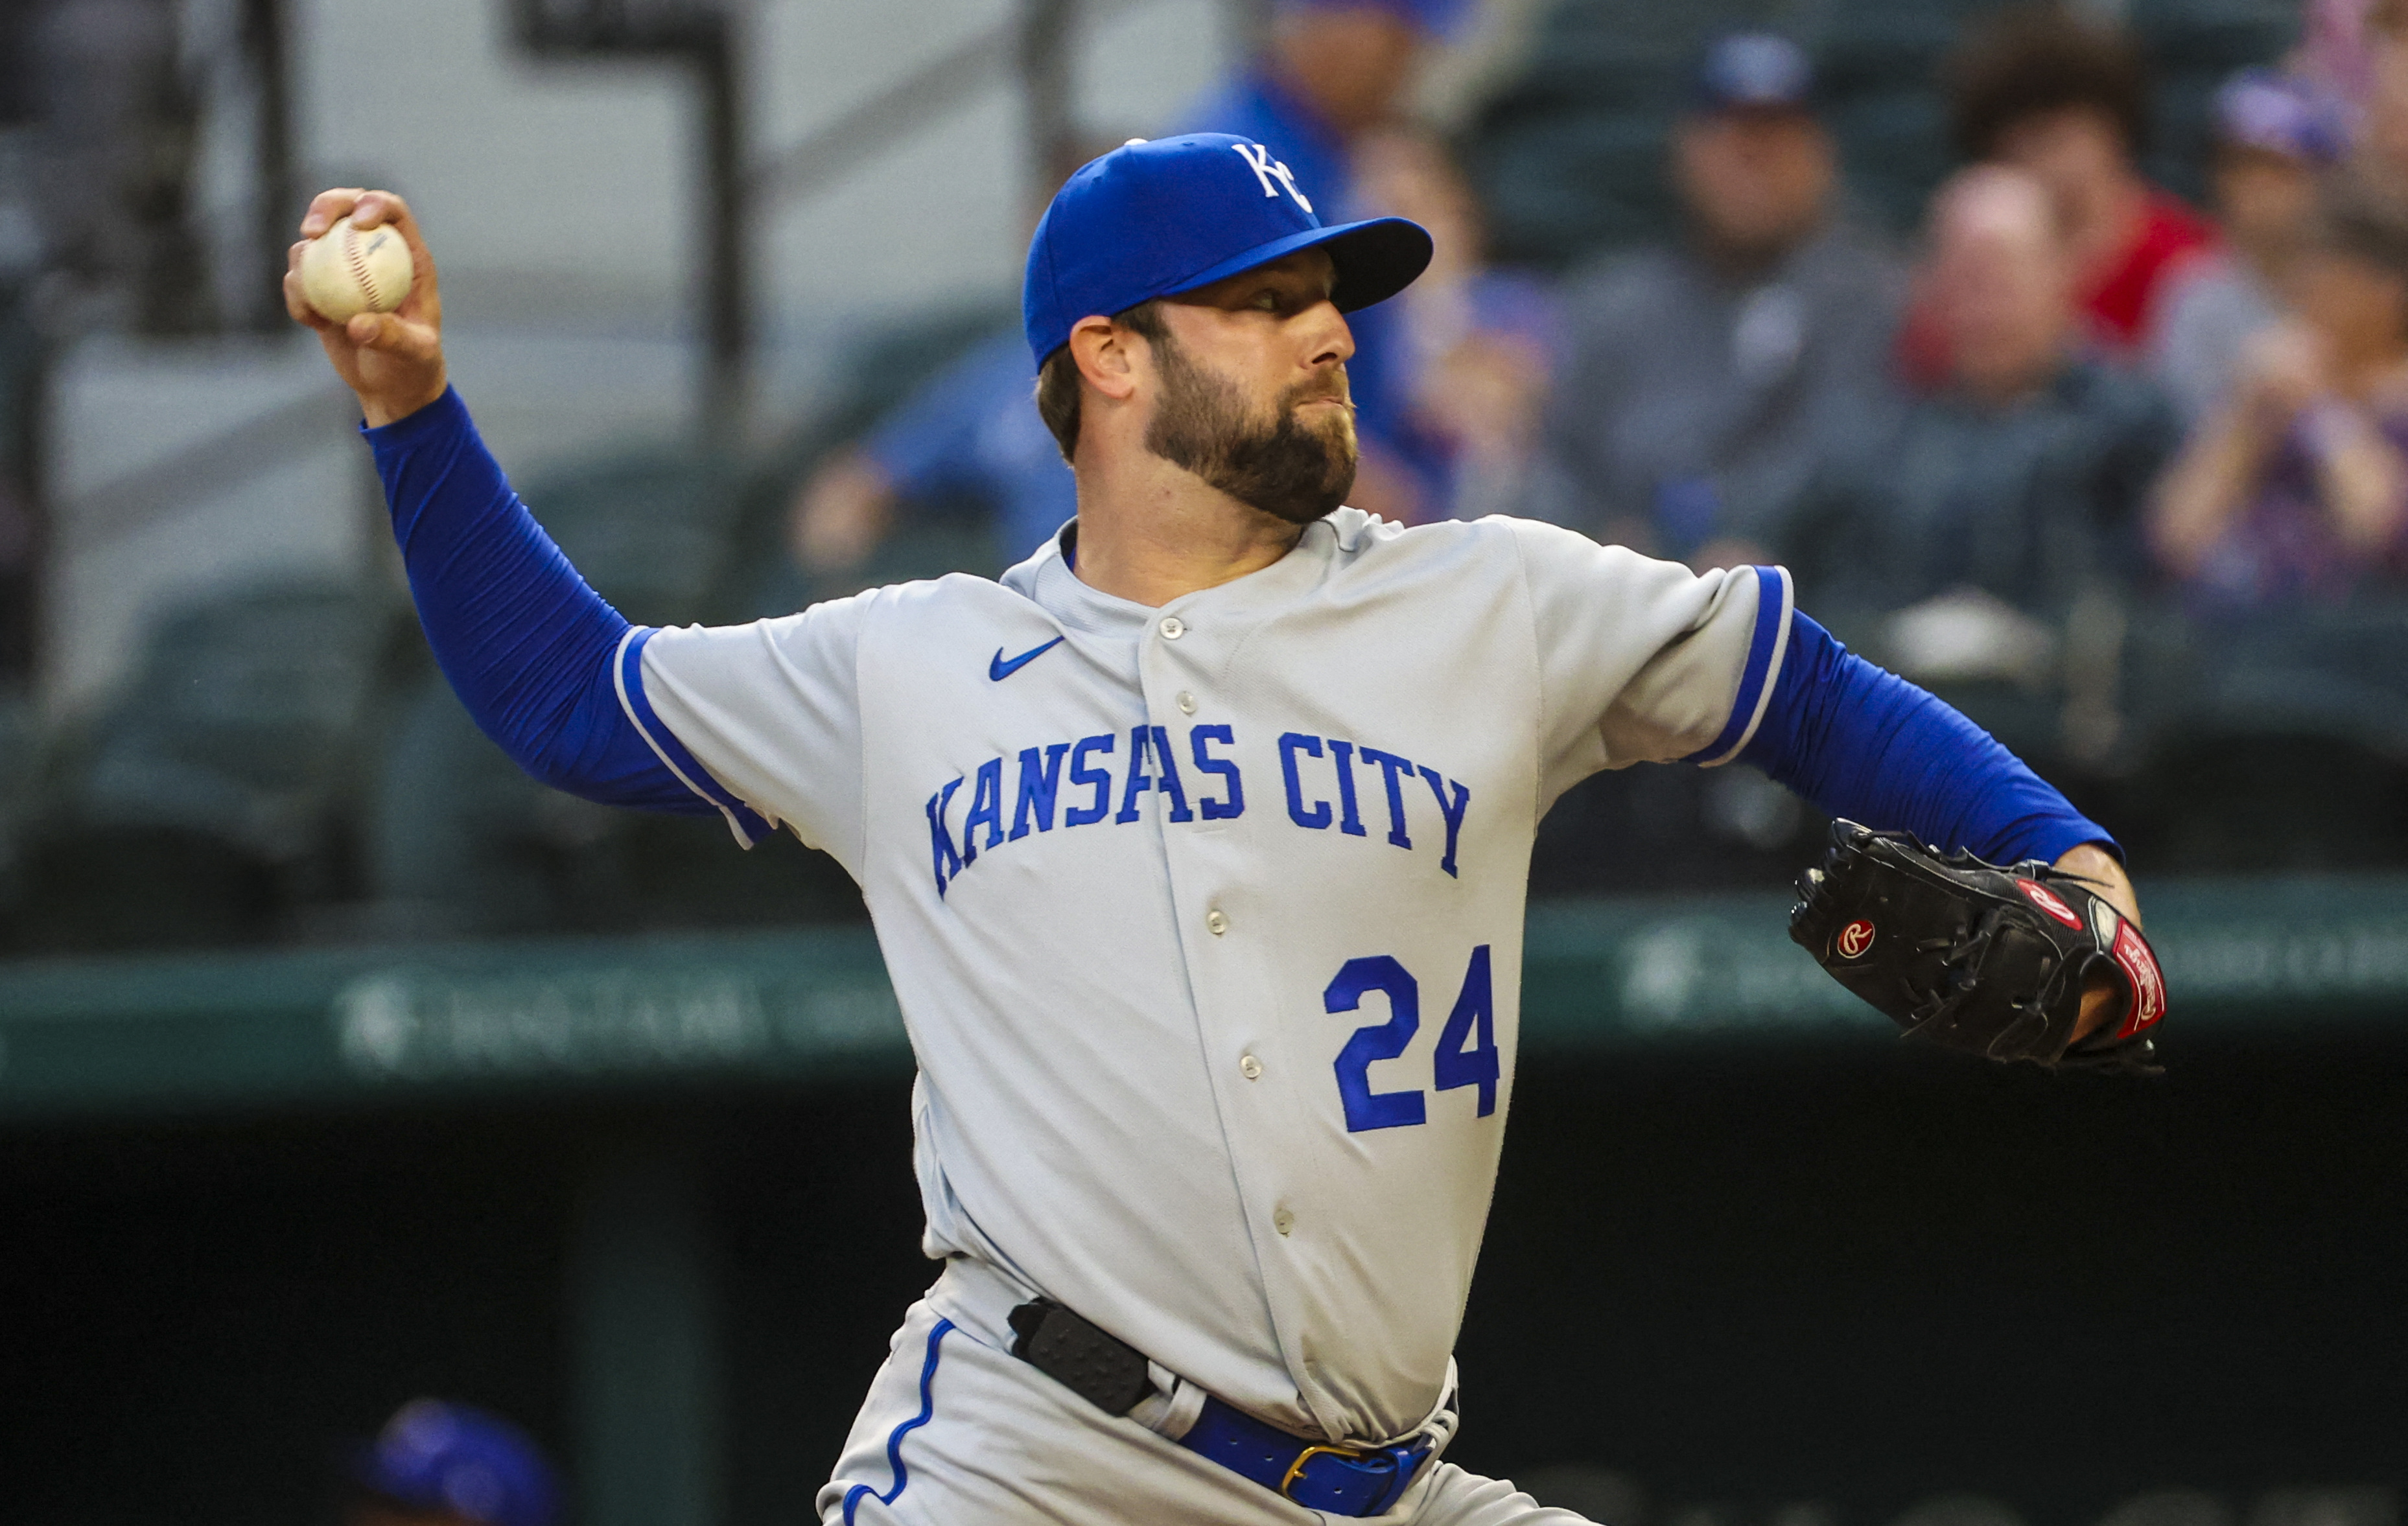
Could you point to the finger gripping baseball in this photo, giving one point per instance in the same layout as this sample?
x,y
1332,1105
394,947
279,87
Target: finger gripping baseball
x,y
347,271
1979,958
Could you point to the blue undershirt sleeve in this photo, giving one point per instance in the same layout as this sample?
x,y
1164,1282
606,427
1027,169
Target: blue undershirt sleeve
x,y
1867,745
527,645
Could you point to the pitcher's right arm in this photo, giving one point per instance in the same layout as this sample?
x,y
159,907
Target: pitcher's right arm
x,y
529,648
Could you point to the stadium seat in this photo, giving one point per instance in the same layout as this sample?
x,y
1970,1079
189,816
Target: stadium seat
x,y
460,842
1670,828
653,530
214,793
463,844
2279,741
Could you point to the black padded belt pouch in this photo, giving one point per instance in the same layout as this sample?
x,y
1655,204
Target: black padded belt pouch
x,y
1107,1371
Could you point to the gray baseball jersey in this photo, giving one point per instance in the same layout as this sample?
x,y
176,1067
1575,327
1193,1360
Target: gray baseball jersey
x,y
1206,921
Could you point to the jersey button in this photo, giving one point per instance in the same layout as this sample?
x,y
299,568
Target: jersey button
x,y
1186,703
1282,1220
1250,1067
1172,627
1218,923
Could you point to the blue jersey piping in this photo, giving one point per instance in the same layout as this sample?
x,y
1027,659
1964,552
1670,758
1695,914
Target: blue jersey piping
x,y
1764,653
748,825
895,1438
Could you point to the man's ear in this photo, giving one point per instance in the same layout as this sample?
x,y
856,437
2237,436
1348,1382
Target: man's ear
x,y
1105,355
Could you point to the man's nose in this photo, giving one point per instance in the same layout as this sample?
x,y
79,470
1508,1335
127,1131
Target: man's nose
x,y
1332,340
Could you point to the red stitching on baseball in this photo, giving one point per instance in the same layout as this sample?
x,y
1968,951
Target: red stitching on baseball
x,y
359,264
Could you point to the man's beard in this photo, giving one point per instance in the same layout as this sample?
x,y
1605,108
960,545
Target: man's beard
x,y
1284,467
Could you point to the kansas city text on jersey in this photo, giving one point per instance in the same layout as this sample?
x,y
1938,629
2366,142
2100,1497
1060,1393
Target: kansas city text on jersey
x,y
1326,780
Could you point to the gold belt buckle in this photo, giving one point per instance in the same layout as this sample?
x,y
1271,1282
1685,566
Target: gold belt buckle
x,y
1295,1469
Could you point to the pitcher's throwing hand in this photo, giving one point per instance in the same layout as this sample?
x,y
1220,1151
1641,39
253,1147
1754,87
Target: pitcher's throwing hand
x,y
394,360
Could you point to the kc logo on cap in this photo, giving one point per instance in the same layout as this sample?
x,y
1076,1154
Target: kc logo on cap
x,y
1154,219
1265,168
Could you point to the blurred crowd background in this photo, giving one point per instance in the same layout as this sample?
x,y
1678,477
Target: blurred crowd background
x,y
2060,351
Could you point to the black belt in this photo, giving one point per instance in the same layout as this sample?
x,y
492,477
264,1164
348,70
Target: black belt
x,y
1112,1375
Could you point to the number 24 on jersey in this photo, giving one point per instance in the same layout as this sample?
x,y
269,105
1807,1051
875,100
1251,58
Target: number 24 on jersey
x,y
1466,1046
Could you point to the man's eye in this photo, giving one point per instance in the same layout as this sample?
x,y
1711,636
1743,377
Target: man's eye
x,y
1267,301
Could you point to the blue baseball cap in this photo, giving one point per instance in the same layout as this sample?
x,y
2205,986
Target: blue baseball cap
x,y
2259,108
461,1461
1155,219
1752,71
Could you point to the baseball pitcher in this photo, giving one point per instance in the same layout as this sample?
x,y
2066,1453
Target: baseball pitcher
x,y
1198,848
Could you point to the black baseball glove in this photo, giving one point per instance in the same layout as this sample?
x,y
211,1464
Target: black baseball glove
x,y
1976,957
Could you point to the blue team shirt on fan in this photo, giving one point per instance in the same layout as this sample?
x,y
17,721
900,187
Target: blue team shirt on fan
x,y
974,430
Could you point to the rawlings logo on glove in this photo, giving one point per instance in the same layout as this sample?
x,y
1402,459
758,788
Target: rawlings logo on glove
x,y
1979,958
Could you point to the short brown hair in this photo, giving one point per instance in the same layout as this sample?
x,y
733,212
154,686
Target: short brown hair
x,y
2039,60
1057,380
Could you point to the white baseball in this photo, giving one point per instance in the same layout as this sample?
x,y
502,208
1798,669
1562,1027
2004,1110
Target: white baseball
x,y
345,271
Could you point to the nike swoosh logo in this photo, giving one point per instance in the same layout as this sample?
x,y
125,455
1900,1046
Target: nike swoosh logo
x,y
997,669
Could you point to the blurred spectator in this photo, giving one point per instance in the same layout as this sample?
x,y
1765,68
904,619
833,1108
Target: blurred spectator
x,y
1707,381
438,1463
2069,102
1331,72
2382,74
1479,341
2332,52
972,430
2012,489
2297,489
2274,136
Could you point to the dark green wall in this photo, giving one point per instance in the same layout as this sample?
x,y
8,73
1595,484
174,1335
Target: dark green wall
x,y
1738,1274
